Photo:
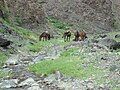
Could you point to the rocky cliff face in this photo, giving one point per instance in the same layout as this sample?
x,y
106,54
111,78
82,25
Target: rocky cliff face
x,y
90,14
116,11
27,13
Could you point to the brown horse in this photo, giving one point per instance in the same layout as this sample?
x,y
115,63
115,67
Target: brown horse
x,y
67,35
77,35
80,36
45,36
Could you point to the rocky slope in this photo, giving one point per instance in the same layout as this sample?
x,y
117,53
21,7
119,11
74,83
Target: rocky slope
x,y
89,15
26,13
116,11
92,53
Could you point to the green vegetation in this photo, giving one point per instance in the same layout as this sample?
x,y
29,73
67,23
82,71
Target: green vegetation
x,y
56,23
27,34
37,47
3,58
5,74
1,30
70,64
18,20
112,35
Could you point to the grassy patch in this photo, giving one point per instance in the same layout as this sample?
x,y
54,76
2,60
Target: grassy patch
x,y
3,58
69,64
58,23
1,30
27,34
112,35
42,44
5,74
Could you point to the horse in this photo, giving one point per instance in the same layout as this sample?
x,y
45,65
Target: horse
x,y
83,35
80,36
45,36
67,35
77,35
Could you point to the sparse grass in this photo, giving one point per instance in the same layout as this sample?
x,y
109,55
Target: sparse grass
x,y
27,34
58,24
37,47
3,58
5,74
1,30
112,35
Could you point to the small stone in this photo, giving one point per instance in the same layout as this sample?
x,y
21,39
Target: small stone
x,y
101,86
58,75
27,82
90,86
9,83
34,88
13,60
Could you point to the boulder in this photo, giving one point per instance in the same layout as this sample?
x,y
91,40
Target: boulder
x,y
1,14
58,75
102,35
117,36
9,83
90,86
4,43
27,82
13,60
94,41
108,42
34,87
115,46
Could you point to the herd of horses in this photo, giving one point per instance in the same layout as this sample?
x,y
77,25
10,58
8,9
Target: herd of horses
x,y
79,36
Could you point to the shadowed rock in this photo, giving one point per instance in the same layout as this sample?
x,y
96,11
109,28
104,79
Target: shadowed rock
x,y
117,36
1,14
4,43
115,46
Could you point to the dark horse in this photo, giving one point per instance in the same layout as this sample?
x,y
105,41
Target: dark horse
x,y
67,35
80,36
45,36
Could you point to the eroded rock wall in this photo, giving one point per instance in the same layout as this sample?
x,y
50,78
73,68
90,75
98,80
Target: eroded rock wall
x,y
95,15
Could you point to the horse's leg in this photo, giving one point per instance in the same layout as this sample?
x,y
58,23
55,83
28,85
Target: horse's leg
x,y
64,39
46,38
75,39
39,38
69,38
43,38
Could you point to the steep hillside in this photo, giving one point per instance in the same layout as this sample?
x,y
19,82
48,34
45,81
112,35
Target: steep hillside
x,y
91,15
25,13
116,11
30,64
94,16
